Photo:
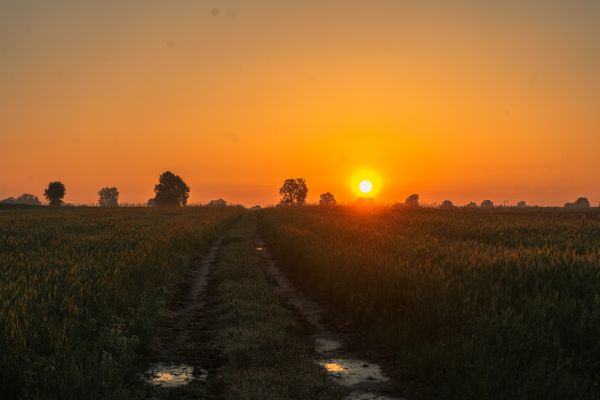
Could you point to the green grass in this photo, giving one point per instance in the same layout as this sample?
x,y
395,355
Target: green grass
x,y
466,304
264,348
80,289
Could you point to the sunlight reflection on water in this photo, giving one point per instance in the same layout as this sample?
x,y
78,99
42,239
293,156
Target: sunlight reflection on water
x,y
333,367
170,375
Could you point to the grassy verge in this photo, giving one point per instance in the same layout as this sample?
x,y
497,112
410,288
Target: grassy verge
x,y
265,351
466,304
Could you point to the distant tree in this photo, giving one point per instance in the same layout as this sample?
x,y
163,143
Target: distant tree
x,y
471,204
108,197
171,190
581,202
412,201
25,198
487,204
522,204
55,192
256,207
28,198
447,205
327,199
293,192
217,203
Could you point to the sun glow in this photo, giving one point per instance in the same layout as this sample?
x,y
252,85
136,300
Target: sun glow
x,y
366,183
365,186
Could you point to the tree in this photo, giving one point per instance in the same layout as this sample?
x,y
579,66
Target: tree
x,y
217,203
487,204
54,193
412,201
522,204
108,197
171,190
471,204
447,205
581,202
28,198
293,192
327,199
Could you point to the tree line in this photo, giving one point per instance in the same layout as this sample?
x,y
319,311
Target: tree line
x,y
171,190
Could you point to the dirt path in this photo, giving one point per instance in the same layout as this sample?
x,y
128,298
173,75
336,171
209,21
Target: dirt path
x,y
364,380
179,366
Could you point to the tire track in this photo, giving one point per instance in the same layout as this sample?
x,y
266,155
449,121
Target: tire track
x,y
363,379
180,368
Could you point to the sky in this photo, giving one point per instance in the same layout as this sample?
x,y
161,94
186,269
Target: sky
x,y
461,100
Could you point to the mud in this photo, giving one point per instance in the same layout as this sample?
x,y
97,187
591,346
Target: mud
x,y
364,379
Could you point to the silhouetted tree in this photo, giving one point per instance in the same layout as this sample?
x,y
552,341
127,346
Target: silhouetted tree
x,y
108,197
581,202
217,203
471,204
327,199
293,192
522,204
151,202
55,192
487,204
25,198
28,198
447,205
412,201
171,190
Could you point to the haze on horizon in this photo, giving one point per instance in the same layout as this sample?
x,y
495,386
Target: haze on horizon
x,y
466,102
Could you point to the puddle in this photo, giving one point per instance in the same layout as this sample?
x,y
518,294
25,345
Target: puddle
x,y
171,375
352,372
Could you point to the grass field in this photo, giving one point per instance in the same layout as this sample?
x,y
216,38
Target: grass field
x,y
465,304
80,289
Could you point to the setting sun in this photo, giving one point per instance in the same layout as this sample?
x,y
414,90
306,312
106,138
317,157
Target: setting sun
x,y
365,186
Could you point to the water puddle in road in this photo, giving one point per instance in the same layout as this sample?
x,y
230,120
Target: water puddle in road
x,y
172,375
351,372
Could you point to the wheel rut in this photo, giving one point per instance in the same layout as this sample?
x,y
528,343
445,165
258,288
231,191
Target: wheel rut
x,y
179,367
364,380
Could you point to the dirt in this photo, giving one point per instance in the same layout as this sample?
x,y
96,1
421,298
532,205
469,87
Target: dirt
x,y
364,379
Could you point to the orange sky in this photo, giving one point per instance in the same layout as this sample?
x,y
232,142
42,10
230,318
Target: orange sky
x,y
466,102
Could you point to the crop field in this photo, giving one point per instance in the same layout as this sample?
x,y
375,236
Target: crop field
x,y
80,289
463,304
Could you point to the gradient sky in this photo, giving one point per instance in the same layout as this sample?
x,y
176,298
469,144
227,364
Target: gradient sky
x,y
465,100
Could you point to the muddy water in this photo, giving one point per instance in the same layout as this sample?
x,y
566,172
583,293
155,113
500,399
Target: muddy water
x,y
171,375
364,380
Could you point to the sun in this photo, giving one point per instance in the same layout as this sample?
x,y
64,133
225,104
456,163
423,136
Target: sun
x,y
365,186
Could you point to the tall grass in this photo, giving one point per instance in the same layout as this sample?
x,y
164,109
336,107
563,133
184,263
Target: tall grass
x,y
80,289
468,304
